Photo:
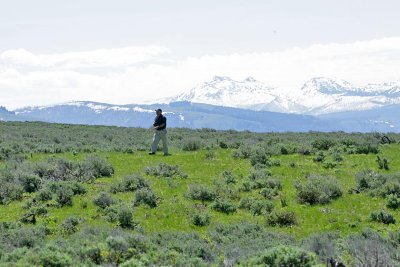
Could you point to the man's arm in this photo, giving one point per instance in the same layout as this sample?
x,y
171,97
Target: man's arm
x,y
159,126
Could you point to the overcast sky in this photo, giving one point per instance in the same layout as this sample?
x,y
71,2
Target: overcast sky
x,y
135,51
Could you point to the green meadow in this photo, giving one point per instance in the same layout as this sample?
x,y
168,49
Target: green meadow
x,y
169,236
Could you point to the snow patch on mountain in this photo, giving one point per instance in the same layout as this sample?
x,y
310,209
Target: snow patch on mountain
x,y
224,91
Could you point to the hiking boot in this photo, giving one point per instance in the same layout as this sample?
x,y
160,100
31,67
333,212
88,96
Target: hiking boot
x,y
167,154
152,153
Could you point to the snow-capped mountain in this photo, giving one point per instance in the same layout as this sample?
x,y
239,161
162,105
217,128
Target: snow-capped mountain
x,y
249,94
317,96
323,95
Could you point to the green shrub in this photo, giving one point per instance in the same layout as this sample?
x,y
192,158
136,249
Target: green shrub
x,y
130,183
259,157
243,152
318,190
368,248
95,167
260,174
378,184
391,187
70,225
323,144
367,148
165,170
269,193
111,213
77,188
223,145
44,194
53,257
282,218
30,182
287,256
329,165
103,200
10,191
125,218
322,244
392,201
383,163
223,205
228,177
94,254
200,219
210,155
256,206
64,196
191,144
146,196
383,217
320,157
337,156
200,192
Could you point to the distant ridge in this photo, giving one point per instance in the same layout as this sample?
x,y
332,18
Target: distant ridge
x,y
198,115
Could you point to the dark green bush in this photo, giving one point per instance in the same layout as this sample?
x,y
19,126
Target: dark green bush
x,y
10,191
382,216
70,225
103,200
30,182
223,205
64,196
367,148
228,177
95,167
392,201
111,213
51,256
378,184
383,163
165,170
146,196
323,143
191,144
329,165
269,193
318,190
256,206
44,194
200,218
259,157
287,256
210,155
320,157
125,217
130,183
200,192
282,218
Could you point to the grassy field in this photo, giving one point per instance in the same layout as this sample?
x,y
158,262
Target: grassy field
x,y
349,213
253,187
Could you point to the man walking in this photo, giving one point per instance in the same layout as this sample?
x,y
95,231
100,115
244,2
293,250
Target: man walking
x,y
160,132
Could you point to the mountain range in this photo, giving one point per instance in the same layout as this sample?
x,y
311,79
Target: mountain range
x,y
317,96
321,104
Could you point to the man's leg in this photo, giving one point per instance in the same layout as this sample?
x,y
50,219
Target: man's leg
x,y
156,139
164,141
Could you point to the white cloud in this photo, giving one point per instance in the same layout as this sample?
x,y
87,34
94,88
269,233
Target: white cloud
x,y
138,74
119,57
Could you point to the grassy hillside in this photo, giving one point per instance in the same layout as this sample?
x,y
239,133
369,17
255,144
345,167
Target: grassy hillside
x,y
271,172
